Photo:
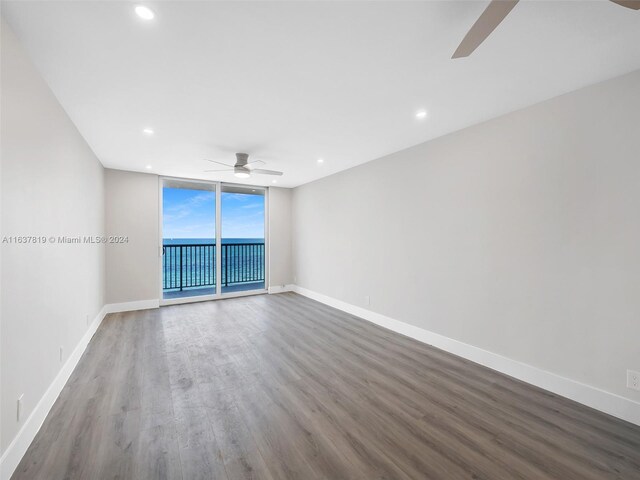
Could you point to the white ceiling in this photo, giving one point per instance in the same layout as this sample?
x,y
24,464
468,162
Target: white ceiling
x,y
289,82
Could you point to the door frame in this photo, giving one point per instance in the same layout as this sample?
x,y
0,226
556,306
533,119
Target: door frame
x,y
218,217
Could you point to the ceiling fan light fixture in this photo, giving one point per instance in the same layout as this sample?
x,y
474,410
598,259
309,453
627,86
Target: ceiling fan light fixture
x,y
240,169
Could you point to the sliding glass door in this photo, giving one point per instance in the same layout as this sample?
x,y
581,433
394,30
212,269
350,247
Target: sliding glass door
x,y
189,239
243,232
211,231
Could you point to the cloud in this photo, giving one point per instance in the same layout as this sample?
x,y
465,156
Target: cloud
x,y
191,214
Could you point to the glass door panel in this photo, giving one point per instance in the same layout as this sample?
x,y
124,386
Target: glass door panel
x,y
189,239
242,239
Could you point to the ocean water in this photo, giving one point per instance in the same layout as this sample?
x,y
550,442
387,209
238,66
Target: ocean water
x,y
204,241
190,262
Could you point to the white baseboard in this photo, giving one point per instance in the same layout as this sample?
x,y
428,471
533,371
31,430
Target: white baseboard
x,y
593,397
18,447
131,306
281,288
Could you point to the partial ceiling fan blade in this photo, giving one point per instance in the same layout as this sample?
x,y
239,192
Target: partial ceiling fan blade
x,y
256,162
219,163
265,172
487,23
632,4
221,170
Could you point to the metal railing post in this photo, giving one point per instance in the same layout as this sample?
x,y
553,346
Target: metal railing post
x,y
180,267
226,263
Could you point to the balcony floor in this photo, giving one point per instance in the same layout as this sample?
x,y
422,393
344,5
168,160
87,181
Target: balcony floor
x,y
196,292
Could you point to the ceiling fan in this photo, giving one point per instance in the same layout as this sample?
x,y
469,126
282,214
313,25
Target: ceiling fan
x,y
495,12
241,168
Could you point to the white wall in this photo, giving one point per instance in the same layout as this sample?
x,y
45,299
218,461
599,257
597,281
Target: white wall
x,y
52,185
280,267
520,235
132,210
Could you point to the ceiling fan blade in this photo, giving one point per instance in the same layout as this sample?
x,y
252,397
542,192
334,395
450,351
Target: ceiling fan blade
x,y
219,163
632,4
265,172
221,170
486,23
256,162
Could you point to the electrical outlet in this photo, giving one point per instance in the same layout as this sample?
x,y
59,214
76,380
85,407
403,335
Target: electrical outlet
x,y
19,408
633,380
61,352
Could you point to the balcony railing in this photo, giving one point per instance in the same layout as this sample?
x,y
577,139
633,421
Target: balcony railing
x,y
194,265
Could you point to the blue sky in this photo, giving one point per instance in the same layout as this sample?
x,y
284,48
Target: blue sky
x,y
191,214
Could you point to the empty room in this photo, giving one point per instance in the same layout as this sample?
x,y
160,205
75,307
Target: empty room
x,y
320,240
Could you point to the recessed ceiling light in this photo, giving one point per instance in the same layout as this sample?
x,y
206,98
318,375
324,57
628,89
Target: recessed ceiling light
x,y
148,167
321,160
274,181
421,114
144,13
148,131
